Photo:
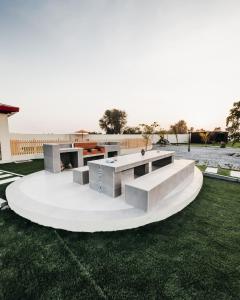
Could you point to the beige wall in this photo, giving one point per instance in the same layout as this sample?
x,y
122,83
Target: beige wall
x,y
31,136
182,138
4,138
29,146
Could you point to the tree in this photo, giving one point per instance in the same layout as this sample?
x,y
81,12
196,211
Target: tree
x,y
161,132
233,123
178,128
205,135
148,131
113,121
132,130
182,126
174,129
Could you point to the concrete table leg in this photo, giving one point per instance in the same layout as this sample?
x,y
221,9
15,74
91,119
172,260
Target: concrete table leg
x,y
126,177
105,180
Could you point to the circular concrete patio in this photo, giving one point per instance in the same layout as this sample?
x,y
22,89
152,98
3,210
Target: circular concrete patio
x,y
54,200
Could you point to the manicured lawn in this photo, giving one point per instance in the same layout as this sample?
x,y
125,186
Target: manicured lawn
x,y
236,145
201,168
192,255
24,168
224,172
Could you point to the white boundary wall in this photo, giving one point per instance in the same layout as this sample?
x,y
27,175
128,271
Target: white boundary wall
x,y
33,136
182,138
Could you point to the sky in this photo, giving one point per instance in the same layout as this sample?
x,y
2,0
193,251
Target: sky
x,y
65,62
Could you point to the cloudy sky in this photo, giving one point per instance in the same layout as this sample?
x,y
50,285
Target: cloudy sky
x,y
65,62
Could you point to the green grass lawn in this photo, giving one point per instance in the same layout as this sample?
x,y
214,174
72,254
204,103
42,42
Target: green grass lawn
x,y
192,255
201,167
224,172
24,168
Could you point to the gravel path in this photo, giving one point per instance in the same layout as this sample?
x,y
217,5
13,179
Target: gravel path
x,y
228,158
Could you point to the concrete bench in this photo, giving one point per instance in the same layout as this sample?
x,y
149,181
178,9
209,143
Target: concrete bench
x,y
81,175
146,191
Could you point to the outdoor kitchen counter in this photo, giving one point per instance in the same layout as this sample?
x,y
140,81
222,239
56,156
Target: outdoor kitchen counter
x,y
66,150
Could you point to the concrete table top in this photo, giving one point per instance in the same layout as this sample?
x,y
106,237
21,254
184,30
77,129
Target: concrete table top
x,y
129,161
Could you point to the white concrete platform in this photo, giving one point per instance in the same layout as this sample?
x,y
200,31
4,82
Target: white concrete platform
x,y
211,170
54,200
235,174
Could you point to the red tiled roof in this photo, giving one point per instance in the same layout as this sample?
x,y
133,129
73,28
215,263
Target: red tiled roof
x,y
8,109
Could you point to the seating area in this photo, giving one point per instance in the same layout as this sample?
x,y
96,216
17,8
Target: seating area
x,y
107,175
107,194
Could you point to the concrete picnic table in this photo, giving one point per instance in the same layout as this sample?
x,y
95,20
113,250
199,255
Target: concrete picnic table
x,y
109,176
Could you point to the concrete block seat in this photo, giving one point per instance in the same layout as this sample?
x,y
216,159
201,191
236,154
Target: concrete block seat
x,y
81,175
54,200
146,191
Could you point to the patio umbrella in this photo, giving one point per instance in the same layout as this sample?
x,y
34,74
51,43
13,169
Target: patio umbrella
x,y
82,132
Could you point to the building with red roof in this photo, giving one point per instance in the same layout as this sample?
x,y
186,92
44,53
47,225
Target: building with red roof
x,y
5,112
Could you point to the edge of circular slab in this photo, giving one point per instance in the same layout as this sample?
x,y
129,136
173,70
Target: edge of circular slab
x,y
53,200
